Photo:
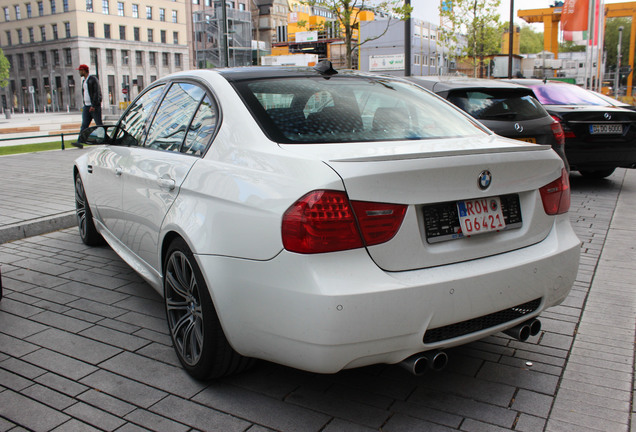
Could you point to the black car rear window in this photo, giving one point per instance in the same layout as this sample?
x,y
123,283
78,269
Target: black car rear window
x,y
498,104
349,109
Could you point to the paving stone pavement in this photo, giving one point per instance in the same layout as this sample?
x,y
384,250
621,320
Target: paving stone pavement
x,y
84,346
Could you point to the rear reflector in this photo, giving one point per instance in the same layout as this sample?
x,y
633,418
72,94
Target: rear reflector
x,y
565,130
557,131
326,221
556,195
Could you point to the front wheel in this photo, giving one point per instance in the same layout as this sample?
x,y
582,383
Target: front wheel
x,y
195,329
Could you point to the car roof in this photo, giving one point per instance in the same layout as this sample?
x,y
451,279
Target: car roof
x,y
443,83
535,82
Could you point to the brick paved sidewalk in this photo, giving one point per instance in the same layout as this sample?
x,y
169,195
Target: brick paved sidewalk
x,y
84,346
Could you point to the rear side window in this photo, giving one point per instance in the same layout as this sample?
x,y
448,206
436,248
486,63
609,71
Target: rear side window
x,y
350,109
134,120
497,104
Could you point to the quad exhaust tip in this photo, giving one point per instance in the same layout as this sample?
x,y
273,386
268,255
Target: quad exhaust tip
x,y
419,363
523,331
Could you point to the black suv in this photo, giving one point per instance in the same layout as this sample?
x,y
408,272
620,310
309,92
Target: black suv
x,y
508,109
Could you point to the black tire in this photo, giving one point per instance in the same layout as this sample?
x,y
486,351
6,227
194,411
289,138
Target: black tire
x,y
195,329
598,174
88,232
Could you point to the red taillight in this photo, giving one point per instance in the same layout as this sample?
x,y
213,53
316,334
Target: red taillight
x,y
557,131
556,195
325,221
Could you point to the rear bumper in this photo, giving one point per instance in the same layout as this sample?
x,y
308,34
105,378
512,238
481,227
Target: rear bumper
x,y
328,312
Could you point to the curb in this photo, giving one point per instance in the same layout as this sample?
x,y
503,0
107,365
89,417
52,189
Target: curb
x,y
20,230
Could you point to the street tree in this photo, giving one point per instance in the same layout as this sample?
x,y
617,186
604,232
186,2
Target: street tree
x,y
4,70
611,41
478,22
347,13
530,42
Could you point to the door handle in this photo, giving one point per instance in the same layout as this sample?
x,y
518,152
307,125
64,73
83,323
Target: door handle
x,y
167,183
118,171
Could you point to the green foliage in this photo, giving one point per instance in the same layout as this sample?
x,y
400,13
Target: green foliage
x,y
30,148
570,46
4,70
611,41
530,42
478,22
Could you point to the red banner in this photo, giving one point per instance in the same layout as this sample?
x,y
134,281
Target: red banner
x,y
574,15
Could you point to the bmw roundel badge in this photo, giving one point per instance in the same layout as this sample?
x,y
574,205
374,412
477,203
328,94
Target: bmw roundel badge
x,y
485,178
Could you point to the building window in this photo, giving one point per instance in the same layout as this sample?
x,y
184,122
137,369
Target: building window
x,y
139,58
68,56
136,34
162,14
175,38
242,6
7,15
163,36
174,16
122,32
65,5
21,61
56,57
54,28
53,6
93,55
107,31
31,35
120,8
19,36
177,60
89,5
125,57
149,12
110,56
166,59
67,29
150,35
32,60
91,29
105,7
29,11
152,58
43,57
135,11
43,33
17,12
40,8
9,38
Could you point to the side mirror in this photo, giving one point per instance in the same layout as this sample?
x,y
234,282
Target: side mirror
x,y
96,135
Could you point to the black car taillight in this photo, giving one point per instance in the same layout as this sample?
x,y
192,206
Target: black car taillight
x,y
567,132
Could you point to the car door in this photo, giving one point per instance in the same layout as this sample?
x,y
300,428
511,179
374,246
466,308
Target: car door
x,y
107,167
158,168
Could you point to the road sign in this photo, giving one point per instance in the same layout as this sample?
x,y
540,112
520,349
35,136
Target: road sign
x,y
124,91
31,89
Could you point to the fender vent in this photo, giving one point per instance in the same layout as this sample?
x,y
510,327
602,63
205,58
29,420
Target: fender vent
x,y
480,323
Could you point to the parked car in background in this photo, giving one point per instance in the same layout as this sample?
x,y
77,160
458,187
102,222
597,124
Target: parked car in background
x,y
325,220
508,109
599,136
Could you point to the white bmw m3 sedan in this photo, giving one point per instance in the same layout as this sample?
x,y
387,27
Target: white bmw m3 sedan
x,y
325,220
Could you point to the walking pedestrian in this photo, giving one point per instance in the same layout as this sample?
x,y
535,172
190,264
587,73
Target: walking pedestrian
x,y
91,98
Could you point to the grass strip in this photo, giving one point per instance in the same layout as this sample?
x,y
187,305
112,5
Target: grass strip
x,y
30,148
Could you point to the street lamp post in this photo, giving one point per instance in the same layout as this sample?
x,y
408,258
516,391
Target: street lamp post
x,y
618,62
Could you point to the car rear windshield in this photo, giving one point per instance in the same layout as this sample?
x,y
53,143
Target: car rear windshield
x,y
566,94
350,109
498,104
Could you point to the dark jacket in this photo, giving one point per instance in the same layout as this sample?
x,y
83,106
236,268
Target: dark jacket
x,y
94,91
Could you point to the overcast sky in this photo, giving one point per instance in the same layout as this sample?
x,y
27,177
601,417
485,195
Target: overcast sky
x,y
427,9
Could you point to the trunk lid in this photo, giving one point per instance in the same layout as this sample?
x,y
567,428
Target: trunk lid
x,y
421,174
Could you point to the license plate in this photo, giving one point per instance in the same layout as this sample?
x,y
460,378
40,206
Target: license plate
x,y
606,129
530,140
480,216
